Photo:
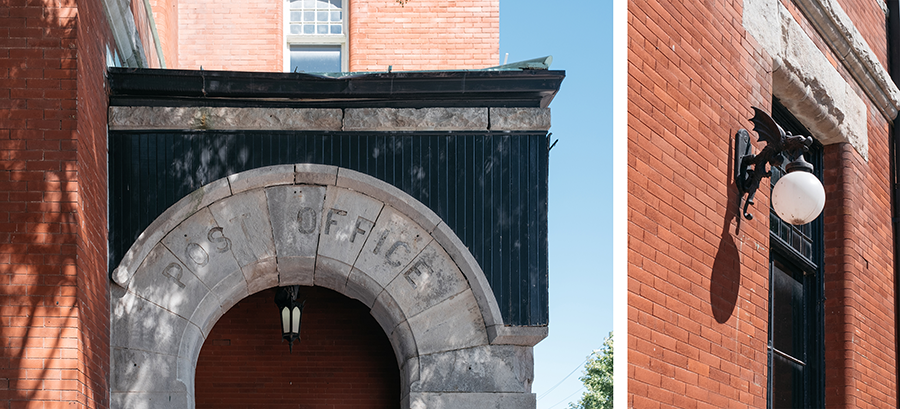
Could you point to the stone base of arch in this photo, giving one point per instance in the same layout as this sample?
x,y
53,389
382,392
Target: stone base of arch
x,y
321,226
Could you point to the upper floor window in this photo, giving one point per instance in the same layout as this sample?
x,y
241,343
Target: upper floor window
x,y
316,36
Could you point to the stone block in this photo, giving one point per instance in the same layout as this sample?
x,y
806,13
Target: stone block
x,y
480,369
395,242
208,311
230,291
403,342
295,119
244,219
143,325
312,174
331,274
361,287
135,370
151,400
452,324
128,118
347,221
295,213
469,267
520,119
165,281
386,311
429,279
420,400
170,218
389,195
200,245
261,274
516,335
261,177
413,119
188,351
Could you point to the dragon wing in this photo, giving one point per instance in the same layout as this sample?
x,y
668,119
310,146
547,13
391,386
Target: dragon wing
x,y
767,129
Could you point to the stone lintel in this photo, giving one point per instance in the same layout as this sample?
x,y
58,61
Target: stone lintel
x,y
520,119
516,335
804,79
416,119
225,118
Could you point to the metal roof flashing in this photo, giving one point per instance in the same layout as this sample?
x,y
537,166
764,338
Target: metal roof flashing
x,y
523,84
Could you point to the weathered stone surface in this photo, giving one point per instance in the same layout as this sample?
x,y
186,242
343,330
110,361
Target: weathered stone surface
x,y
163,280
288,119
261,274
347,221
131,368
386,311
804,80
200,245
497,368
403,342
151,400
170,218
467,264
331,273
230,291
516,335
144,325
311,174
225,118
452,324
395,241
389,195
429,279
262,177
125,118
420,400
189,350
244,219
361,287
520,119
296,213
412,119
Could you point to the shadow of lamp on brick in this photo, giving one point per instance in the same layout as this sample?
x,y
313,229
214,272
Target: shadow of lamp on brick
x,y
798,197
290,310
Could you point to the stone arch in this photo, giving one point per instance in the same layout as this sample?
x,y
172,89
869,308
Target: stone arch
x,y
312,225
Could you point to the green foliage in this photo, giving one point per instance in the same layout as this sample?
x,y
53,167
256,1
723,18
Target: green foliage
x,y
598,379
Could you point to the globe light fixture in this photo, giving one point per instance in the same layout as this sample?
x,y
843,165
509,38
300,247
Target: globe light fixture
x,y
290,312
798,197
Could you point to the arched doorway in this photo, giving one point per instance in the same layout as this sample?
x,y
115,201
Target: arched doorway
x,y
322,226
343,357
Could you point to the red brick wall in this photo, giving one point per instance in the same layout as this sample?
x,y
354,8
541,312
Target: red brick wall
x,y
89,197
425,34
235,35
698,272
165,15
243,35
53,309
343,359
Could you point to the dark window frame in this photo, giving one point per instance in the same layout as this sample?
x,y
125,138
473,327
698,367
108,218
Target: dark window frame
x,y
798,251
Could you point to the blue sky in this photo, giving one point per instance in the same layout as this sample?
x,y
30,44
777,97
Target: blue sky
x,y
579,37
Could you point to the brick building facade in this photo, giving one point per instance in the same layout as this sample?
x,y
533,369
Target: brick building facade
x,y
61,335
720,311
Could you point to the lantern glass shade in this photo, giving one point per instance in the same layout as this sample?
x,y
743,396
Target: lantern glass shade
x,y
798,197
295,320
286,320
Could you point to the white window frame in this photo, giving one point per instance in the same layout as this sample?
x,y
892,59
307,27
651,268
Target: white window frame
x,y
317,39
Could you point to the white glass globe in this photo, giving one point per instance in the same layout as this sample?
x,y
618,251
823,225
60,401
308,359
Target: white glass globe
x,y
798,197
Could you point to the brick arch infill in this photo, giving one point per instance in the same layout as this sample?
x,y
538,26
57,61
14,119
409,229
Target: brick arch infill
x,y
310,225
